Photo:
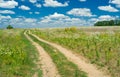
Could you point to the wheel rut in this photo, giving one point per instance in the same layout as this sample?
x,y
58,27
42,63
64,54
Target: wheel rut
x,y
89,68
48,67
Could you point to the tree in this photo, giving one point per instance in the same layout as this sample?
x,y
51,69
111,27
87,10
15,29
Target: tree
x,y
111,22
9,27
108,23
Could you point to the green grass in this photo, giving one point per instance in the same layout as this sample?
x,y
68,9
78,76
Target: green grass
x,y
65,67
17,55
102,49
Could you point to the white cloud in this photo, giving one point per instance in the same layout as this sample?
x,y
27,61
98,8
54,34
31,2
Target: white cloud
x,y
53,20
106,17
37,12
38,5
21,22
61,20
8,4
33,1
54,3
108,8
7,12
4,17
116,2
80,12
30,20
34,12
102,18
82,0
55,16
23,7
93,20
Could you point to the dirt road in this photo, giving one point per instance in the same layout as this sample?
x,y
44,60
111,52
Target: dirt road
x,y
47,65
90,69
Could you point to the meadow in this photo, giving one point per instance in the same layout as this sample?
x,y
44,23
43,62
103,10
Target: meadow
x,y
17,55
100,47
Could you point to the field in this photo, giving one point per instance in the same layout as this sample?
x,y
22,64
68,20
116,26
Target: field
x,y
100,46
65,52
17,55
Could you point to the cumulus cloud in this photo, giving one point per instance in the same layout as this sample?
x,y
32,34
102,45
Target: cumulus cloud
x,y
37,12
30,20
55,16
38,5
103,18
5,17
61,20
8,4
108,8
106,17
54,3
7,12
80,12
23,7
116,2
33,1
20,22
53,20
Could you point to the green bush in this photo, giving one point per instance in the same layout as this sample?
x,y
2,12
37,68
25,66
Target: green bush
x,y
9,27
71,29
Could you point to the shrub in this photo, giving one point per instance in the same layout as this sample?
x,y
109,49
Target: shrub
x,y
71,29
9,27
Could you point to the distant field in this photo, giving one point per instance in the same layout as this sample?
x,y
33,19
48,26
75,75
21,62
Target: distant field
x,y
100,29
100,45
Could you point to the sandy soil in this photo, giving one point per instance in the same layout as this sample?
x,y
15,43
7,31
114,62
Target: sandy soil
x,y
90,69
48,67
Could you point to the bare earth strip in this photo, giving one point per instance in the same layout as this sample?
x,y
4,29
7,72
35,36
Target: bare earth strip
x,y
90,69
48,67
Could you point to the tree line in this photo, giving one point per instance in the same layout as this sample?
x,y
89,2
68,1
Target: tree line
x,y
108,23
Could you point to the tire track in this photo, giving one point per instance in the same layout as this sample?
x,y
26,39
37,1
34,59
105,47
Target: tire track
x,y
90,69
48,67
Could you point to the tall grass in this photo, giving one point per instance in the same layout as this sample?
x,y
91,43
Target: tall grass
x,y
102,49
16,54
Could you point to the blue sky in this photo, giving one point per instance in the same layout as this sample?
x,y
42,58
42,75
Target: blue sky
x,y
56,13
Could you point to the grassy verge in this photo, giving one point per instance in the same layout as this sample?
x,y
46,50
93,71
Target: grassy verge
x,y
17,55
65,67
